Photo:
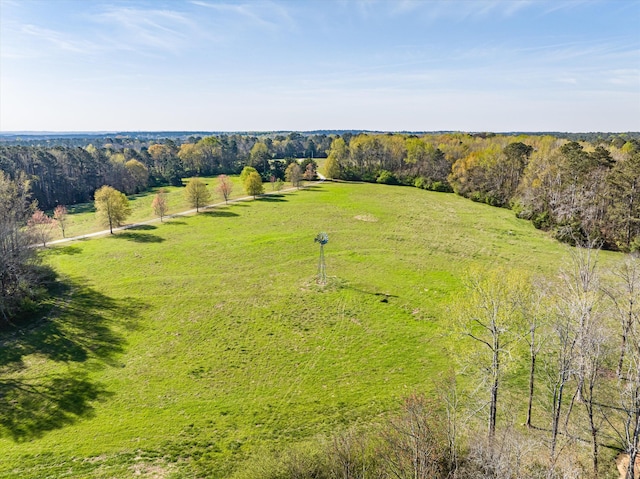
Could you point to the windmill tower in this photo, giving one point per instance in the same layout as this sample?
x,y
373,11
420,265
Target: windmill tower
x,y
323,239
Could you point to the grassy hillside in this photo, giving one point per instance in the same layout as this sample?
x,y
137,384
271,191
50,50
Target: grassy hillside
x,y
178,350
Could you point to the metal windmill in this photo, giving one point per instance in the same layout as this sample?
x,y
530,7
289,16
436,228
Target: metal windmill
x,y
323,239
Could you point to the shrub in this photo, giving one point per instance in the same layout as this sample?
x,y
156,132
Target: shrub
x,y
306,460
405,180
441,186
387,178
349,174
541,221
369,176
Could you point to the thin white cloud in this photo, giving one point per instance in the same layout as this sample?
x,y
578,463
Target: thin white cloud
x,y
435,10
28,41
406,6
625,78
466,10
136,29
59,40
147,32
556,6
268,15
515,6
597,54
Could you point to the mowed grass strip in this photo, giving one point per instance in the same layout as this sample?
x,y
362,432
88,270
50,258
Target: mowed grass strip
x,y
201,340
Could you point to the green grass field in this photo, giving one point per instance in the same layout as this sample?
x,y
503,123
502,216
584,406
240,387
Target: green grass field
x,y
82,218
180,349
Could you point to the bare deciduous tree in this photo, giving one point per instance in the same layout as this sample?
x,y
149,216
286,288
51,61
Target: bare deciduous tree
x,y
225,187
160,204
534,306
60,216
448,396
40,225
576,351
624,293
625,418
488,314
349,451
294,174
415,441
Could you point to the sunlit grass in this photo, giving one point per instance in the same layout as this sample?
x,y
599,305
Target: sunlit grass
x,y
221,342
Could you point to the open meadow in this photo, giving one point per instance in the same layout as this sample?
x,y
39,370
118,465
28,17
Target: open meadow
x,y
180,349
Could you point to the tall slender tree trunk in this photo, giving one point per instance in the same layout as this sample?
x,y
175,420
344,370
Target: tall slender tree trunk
x,y
623,346
494,391
532,372
557,407
630,214
110,215
589,404
625,335
594,444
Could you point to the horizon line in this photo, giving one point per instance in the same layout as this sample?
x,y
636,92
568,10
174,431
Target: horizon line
x,y
225,132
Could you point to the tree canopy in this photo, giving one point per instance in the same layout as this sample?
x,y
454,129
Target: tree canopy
x,y
112,207
253,184
197,193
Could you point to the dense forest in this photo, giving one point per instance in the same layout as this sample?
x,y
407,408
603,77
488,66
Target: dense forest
x,y
70,174
579,190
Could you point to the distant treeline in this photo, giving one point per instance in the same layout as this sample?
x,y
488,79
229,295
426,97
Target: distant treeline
x,y
136,139
581,191
70,174
586,190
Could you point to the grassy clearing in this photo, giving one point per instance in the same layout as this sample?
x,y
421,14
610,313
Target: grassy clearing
x,y
82,217
179,349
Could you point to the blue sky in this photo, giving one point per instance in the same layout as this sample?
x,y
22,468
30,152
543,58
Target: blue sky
x,y
475,65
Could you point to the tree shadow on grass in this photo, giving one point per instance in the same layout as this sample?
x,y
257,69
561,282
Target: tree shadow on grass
x,y
384,296
315,188
139,237
79,330
60,250
32,408
272,198
220,213
142,228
